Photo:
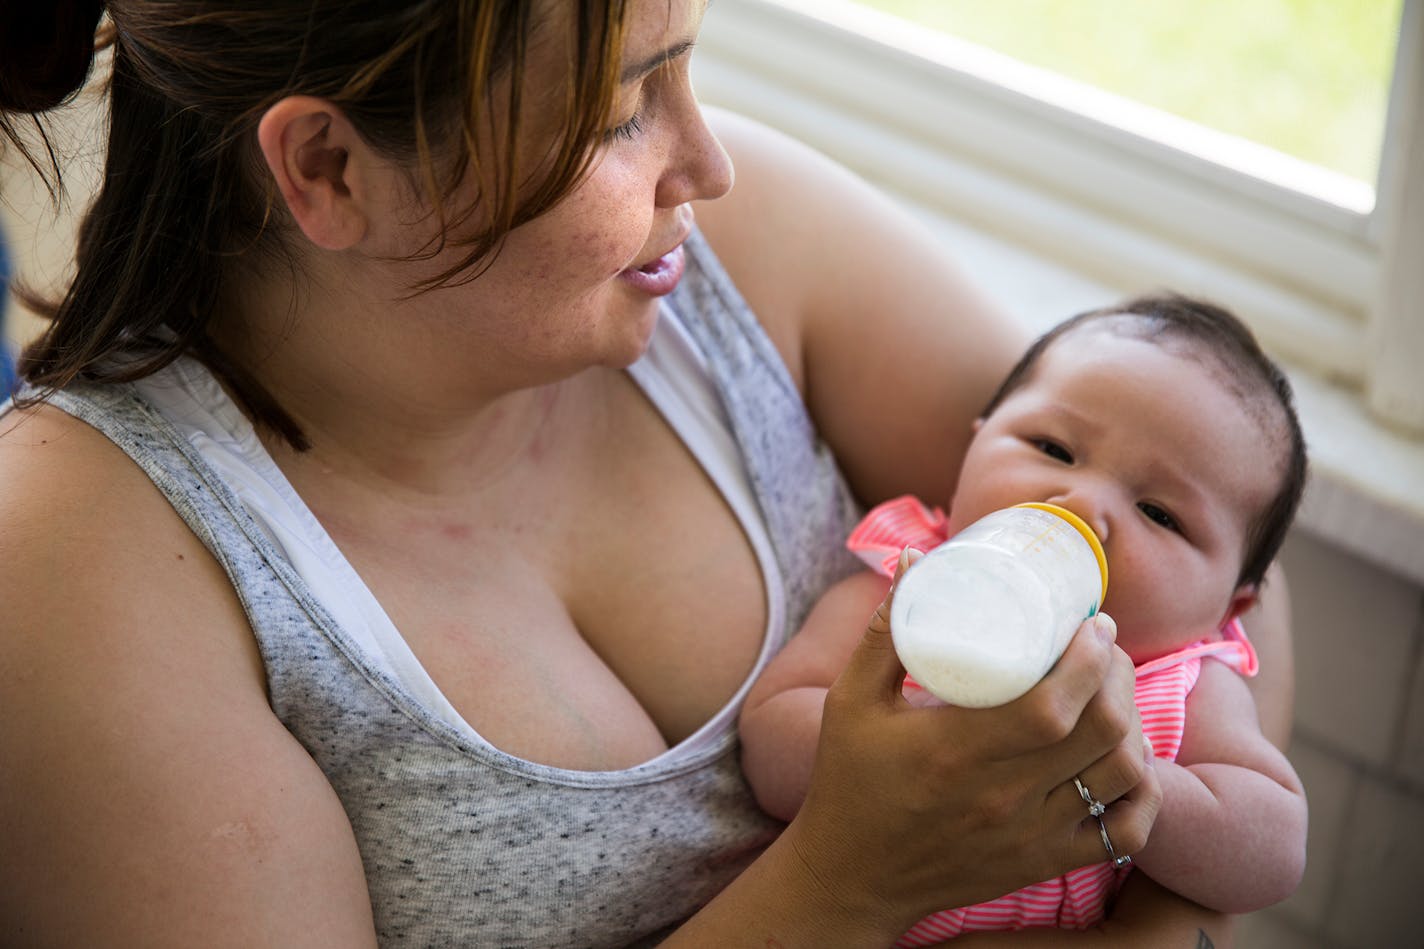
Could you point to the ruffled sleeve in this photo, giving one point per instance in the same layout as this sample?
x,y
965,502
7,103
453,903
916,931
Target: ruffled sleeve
x,y
891,527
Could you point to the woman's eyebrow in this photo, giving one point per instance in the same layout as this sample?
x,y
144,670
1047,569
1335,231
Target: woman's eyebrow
x,y
638,70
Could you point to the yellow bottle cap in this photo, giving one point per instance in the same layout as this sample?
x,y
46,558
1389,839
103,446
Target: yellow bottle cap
x,y
1081,526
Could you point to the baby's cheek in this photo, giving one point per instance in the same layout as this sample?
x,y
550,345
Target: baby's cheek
x,y
1137,603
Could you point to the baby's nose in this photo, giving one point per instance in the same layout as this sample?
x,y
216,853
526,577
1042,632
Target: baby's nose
x,y
1089,505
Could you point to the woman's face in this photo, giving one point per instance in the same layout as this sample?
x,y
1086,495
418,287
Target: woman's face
x,y
579,286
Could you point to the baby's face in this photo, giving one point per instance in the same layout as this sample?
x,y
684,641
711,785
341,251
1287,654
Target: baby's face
x,y
1146,445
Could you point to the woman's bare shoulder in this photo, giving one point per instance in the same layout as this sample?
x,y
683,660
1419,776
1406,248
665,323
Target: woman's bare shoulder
x,y
774,230
78,516
133,715
860,296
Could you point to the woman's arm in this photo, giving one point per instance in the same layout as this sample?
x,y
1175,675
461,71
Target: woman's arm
x,y
148,795
894,350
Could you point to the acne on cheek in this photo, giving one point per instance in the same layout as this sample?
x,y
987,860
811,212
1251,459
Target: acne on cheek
x,y
610,250
596,231
550,261
599,243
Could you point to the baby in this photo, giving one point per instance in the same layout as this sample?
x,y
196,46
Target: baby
x,y
1162,424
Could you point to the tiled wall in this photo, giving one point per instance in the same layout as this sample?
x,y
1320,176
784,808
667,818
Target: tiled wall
x,y
1359,748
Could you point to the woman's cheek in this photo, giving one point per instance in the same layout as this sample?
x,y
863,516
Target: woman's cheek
x,y
621,233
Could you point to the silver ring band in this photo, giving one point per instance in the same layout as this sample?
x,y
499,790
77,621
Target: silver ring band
x,y
1096,810
1118,862
1095,807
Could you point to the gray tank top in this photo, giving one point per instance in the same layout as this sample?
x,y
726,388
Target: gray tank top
x,y
464,845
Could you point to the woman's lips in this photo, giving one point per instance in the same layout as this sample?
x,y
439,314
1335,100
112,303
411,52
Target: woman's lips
x,y
659,277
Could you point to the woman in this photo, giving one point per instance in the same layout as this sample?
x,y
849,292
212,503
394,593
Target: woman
x,y
396,608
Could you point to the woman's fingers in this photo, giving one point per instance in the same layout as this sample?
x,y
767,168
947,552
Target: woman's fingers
x,y
1054,716
1106,743
1125,823
1130,818
1082,722
1121,783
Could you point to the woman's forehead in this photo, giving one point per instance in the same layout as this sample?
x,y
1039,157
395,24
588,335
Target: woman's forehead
x,y
653,32
657,28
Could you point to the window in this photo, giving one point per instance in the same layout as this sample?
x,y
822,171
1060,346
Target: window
x,y
1317,258
1306,78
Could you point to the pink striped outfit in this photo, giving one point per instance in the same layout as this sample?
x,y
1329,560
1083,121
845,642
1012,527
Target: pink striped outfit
x,y
1079,898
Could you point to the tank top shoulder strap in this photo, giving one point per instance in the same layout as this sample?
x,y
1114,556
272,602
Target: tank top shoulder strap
x,y
804,498
280,606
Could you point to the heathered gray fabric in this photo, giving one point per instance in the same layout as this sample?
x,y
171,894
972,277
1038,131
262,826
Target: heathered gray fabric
x,y
465,846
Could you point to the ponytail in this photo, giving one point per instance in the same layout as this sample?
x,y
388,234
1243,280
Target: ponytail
x,y
46,49
148,268
150,252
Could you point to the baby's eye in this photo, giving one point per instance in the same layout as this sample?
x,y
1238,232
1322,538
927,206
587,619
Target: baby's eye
x,y
1054,450
1158,516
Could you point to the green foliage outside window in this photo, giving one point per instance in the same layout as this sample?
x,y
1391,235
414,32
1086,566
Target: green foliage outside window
x,y
1306,77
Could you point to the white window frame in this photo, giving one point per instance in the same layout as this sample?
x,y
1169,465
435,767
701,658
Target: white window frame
x,y
1330,279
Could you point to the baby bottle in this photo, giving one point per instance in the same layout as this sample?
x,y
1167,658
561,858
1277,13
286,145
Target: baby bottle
x,y
980,619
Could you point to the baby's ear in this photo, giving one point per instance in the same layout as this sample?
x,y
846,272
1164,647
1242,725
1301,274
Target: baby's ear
x,y
1244,597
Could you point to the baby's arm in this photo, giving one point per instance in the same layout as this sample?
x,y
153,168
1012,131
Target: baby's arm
x,y
1231,833
781,719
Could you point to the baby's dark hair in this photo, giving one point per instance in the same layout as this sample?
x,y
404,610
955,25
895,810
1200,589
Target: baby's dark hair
x,y
1210,330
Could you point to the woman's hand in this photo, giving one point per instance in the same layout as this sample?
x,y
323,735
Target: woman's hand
x,y
914,810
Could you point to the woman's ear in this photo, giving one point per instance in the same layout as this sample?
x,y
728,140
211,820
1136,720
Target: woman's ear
x,y
317,160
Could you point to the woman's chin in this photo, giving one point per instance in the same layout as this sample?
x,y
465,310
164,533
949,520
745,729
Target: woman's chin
x,y
639,336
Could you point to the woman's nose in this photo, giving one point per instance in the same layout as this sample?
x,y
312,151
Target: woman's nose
x,y
699,168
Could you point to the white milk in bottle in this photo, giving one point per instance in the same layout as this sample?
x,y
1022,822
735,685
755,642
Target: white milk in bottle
x,y
978,620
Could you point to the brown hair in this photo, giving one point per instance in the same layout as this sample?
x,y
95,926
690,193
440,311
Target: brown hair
x,y
184,196
1216,332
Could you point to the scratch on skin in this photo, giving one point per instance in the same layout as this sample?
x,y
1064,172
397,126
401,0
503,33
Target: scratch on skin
x,y
230,830
243,835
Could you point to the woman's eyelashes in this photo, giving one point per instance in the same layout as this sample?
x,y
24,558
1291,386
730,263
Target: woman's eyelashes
x,y
656,91
628,131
